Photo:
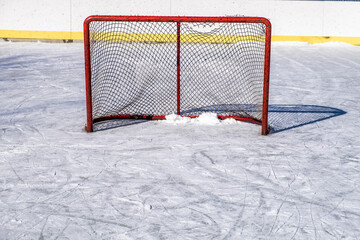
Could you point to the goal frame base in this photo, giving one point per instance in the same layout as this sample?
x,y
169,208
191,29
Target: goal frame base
x,y
163,117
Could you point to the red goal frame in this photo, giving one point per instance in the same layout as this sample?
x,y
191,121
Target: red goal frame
x,y
178,20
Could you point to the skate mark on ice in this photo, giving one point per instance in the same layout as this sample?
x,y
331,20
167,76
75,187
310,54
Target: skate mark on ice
x,y
205,155
311,215
240,214
213,169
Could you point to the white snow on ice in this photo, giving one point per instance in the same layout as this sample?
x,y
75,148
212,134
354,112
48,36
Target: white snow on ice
x,y
136,179
206,118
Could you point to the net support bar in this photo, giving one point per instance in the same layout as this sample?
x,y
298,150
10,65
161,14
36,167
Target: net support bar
x,y
89,118
264,124
178,67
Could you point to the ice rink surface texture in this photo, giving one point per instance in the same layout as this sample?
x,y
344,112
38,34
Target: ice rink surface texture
x,y
180,179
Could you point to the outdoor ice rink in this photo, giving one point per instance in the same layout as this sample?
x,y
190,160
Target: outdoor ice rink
x,y
169,180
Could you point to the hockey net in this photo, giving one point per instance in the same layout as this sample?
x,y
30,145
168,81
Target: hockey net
x,y
150,67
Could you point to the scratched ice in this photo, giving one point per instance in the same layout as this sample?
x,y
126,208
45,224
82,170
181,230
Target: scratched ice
x,y
175,180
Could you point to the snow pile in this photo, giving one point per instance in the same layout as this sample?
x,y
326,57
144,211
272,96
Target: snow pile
x,y
207,118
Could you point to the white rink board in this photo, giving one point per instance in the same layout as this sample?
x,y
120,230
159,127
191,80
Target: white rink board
x,y
289,18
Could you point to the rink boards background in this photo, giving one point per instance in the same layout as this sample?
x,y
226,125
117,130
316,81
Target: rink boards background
x,y
310,21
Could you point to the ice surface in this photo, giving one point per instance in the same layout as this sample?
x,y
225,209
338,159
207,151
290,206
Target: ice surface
x,y
153,180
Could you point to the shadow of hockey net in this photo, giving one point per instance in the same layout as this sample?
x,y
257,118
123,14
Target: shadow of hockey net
x,y
146,67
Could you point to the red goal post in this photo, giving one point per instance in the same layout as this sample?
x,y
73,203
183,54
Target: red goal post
x,y
109,32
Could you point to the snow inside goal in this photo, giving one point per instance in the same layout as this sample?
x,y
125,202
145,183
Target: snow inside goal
x,y
147,67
